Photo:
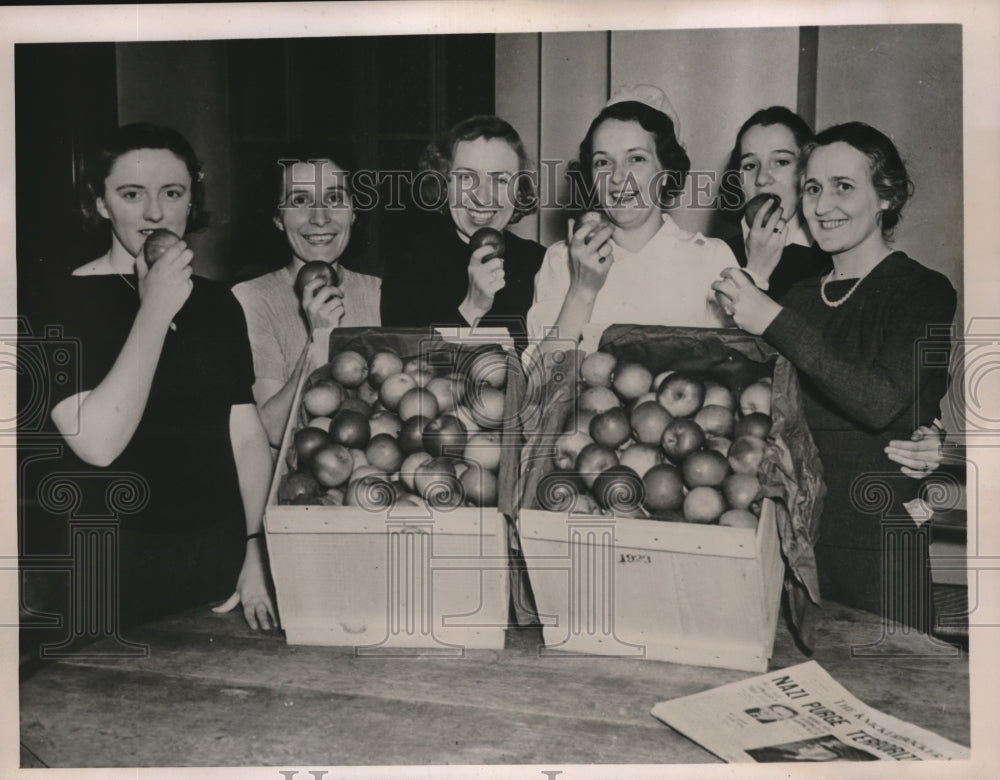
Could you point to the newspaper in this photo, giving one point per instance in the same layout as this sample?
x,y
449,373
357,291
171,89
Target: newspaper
x,y
799,714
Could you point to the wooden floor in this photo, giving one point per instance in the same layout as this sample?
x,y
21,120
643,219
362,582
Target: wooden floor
x,y
211,693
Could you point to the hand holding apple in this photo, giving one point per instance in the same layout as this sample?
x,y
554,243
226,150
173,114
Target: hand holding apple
x,y
768,233
590,257
750,308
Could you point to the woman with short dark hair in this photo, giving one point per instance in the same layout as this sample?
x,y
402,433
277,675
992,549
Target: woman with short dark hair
x,y
163,396
853,335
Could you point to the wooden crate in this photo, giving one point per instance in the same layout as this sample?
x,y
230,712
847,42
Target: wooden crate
x,y
403,578
693,594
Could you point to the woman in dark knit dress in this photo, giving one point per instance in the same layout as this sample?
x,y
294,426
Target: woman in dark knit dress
x,y
163,399
430,277
853,333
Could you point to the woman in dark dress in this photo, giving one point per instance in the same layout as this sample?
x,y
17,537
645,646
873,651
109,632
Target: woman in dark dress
x,y
779,247
164,392
852,333
431,277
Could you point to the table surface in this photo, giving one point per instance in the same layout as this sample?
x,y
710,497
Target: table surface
x,y
209,692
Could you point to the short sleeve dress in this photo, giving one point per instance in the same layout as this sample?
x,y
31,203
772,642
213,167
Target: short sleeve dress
x,y
173,493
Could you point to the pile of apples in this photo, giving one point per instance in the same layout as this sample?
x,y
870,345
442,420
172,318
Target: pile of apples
x,y
382,431
672,447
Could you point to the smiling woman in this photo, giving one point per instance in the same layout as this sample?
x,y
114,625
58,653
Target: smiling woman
x,y
432,275
163,395
314,210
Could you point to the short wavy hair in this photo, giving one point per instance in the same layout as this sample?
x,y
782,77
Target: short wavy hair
x,y
437,159
731,196
888,172
669,152
128,138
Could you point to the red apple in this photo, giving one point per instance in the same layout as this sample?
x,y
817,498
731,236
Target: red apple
x,y
349,368
592,460
596,369
297,484
316,269
418,402
739,518
753,424
558,490
597,399
611,427
306,441
384,452
437,483
631,380
680,438
717,394
323,398
408,469
443,389
746,454
756,397
715,420
568,447
741,490
703,505
706,467
350,428
383,365
445,435
480,486
641,457
664,489
411,435
393,388
486,406
489,367
484,449
385,422
332,464
649,420
619,490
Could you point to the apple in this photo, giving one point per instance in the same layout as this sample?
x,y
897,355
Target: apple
x,y
445,435
592,460
753,424
464,414
620,490
385,422
703,504
367,393
419,401
611,427
316,269
705,467
597,399
596,369
746,454
371,491
483,449
384,452
659,379
408,469
768,201
741,490
648,421
641,457
437,483
739,518
717,394
664,486
332,465
486,405
323,423
680,438
631,380
579,421
411,435
487,236
358,458
156,243
715,420
350,428
305,442
756,397
681,394
383,364
349,368
480,486
297,484
332,497
393,388
323,398
558,490
718,443
356,405
569,446
645,397
443,390
490,367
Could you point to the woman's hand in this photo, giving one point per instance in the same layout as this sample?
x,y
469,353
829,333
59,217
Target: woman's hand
x,y
740,298
766,241
590,257
919,456
164,288
252,591
323,305
485,281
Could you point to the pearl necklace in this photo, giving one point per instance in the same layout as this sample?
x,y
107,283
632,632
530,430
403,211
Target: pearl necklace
x,y
842,301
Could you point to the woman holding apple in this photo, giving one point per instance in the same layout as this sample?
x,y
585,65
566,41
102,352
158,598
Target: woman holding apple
x,y
778,246
852,334
163,397
629,261
478,177
314,211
